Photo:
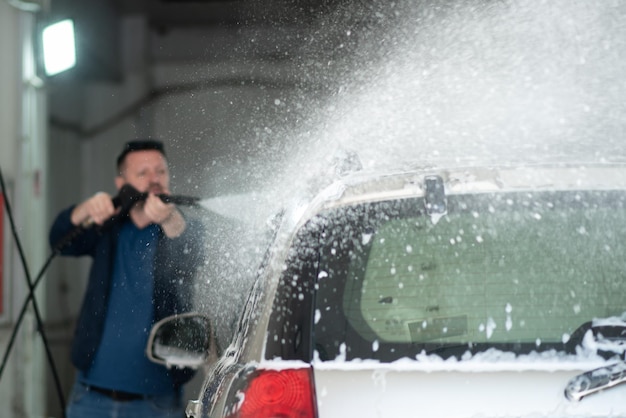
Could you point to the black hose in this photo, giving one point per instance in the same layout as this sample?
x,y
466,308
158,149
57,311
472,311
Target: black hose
x,y
20,317
32,299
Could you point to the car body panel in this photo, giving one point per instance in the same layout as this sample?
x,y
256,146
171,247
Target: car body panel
x,y
404,392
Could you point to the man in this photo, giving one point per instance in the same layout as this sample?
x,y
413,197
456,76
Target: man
x,y
144,260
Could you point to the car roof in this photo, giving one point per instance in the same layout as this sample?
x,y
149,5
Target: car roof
x,y
364,186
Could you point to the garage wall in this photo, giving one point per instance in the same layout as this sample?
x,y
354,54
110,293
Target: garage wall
x,y
9,124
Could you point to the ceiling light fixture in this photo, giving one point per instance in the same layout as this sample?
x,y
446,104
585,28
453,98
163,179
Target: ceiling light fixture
x,y
59,47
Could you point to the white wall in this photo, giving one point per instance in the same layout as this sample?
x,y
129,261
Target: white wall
x,y
9,111
22,160
9,82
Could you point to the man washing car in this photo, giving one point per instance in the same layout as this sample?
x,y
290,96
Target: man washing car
x,y
143,267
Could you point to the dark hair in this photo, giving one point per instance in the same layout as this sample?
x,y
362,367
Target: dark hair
x,y
139,145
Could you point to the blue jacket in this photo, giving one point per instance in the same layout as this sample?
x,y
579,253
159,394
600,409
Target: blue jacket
x,y
177,261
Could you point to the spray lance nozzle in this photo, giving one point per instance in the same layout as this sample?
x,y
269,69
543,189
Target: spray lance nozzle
x,y
128,196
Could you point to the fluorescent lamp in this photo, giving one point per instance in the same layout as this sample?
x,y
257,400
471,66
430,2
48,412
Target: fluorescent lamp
x,y
59,49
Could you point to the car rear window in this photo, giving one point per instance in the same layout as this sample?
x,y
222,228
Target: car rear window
x,y
517,272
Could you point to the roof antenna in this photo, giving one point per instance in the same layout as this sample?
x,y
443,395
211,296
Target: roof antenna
x,y
435,198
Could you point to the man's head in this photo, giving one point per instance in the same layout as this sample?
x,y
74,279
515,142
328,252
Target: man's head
x,y
143,165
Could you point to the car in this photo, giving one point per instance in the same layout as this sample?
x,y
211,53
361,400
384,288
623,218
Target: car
x,y
449,292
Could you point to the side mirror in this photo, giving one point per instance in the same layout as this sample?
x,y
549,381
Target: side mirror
x,y
180,340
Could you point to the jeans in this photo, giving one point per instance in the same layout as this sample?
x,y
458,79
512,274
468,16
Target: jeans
x,y
85,403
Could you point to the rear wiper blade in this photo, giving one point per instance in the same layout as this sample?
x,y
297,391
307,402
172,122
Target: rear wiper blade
x,y
595,380
606,336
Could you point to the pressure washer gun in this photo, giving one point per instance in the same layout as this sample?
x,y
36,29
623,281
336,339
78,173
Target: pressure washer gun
x,y
126,198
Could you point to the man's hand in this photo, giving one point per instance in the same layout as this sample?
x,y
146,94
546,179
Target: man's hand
x,y
164,214
156,210
97,209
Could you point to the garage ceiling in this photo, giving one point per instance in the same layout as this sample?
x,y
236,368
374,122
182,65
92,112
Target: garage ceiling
x,y
98,23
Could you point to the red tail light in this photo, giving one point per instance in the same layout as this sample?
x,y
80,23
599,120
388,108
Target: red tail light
x,y
285,393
